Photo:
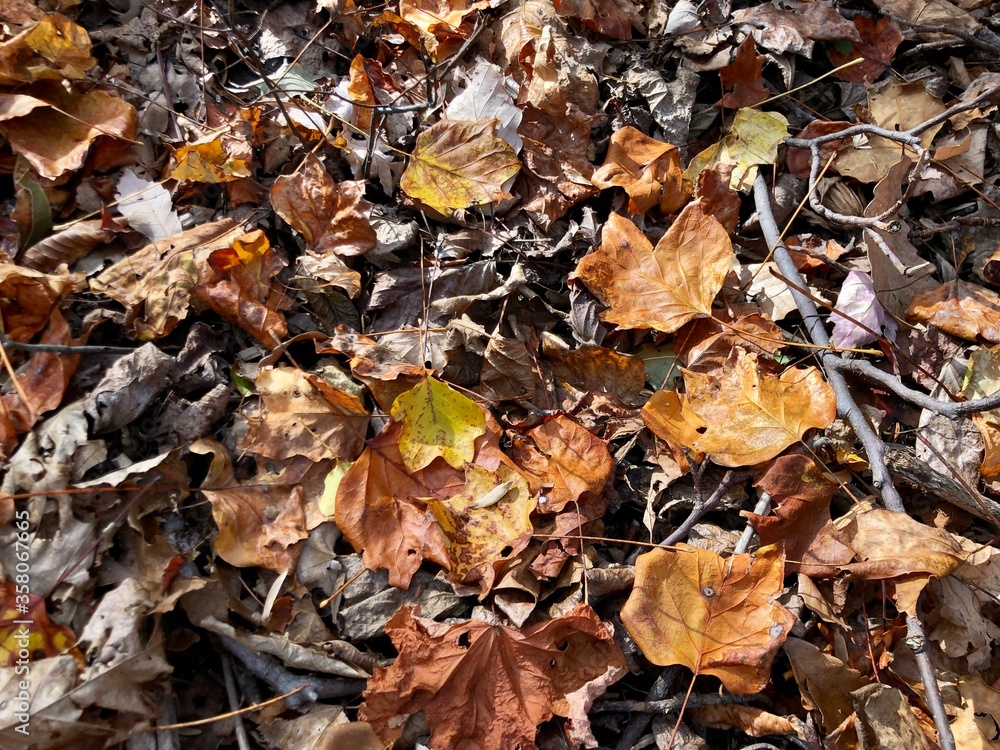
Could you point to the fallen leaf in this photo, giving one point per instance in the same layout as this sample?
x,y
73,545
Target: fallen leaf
x,y
782,30
20,643
612,18
750,720
743,78
977,726
304,414
825,681
669,416
458,164
53,48
486,96
333,218
661,288
246,295
752,140
859,305
27,299
713,615
751,416
879,40
147,207
436,420
982,379
486,685
54,128
66,246
648,170
562,461
486,525
209,161
966,310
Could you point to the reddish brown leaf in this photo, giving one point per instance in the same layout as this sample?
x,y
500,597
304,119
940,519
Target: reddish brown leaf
x,y
27,299
490,686
648,170
743,78
714,615
609,17
879,40
332,217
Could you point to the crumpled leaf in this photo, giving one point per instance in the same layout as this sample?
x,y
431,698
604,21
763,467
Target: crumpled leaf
x,y
966,310
879,40
662,287
743,78
490,686
612,18
42,639
713,615
246,295
54,128
147,206
982,379
332,217
436,420
752,140
306,414
458,164
562,461
486,96
27,299
648,170
53,48
486,525
210,161
858,302
975,728
750,415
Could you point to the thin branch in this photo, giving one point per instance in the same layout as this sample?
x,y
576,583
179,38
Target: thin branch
x,y
671,705
702,507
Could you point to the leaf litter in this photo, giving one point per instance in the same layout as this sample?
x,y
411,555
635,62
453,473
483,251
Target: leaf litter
x,y
499,373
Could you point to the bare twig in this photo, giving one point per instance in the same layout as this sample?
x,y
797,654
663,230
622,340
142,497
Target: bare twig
x,y
242,739
702,507
670,705
19,346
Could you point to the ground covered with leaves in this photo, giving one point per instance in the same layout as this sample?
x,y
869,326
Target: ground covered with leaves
x,y
499,374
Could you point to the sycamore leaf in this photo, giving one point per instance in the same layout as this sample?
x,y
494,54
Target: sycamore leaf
x,y
648,170
711,614
486,524
753,140
437,421
147,206
332,217
458,164
661,288
490,686
751,416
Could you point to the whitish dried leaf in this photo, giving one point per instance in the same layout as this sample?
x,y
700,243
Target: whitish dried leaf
x,y
487,96
147,206
661,288
859,305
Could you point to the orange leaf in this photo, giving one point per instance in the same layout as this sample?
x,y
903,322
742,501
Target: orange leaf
x,y
751,416
661,288
244,296
742,78
966,310
649,170
333,218
565,461
26,643
210,161
54,48
489,686
714,615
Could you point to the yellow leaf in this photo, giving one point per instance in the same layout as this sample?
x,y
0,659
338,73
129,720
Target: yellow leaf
x,y
459,163
753,140
661,288
208,162
437,421
982,379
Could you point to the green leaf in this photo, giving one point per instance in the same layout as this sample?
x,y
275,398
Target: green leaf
x,y
437,421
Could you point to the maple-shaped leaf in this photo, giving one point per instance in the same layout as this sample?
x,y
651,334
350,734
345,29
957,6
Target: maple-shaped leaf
x,y
858,302
753,139
743,78
800,493
332,217
649,170
714,615
489,686
436,420
53,48
486,524
879,40
563,461
457,164
661,288
751,416
966,310
54,127
305,414
381,506
245,295
41,639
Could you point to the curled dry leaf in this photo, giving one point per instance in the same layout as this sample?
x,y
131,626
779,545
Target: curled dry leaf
x,y
563,461
210,161
753,140
457,164
53,48
53,127
749,416
714,615
649,170
661,288
743,78
45,638
490,686
612,18
436,420
333,218
305,415
27,299
982,379
966,310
